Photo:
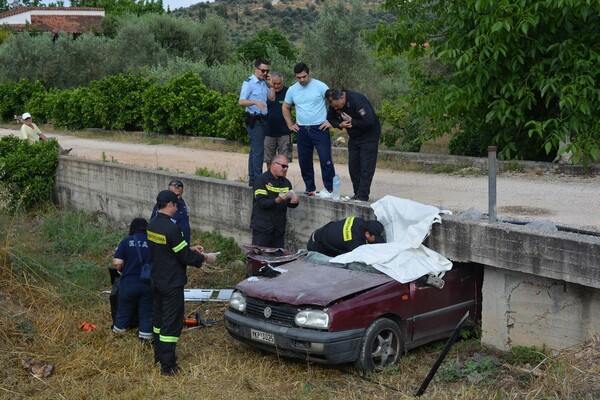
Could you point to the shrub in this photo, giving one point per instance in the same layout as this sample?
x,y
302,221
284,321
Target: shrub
x,y
27,171
14,96
183,106
401,129
229,118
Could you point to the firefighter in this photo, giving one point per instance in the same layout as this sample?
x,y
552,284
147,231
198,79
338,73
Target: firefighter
x,y
170,254
273,195
339,237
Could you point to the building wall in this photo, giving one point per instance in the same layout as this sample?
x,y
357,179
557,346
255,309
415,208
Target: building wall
x,y
25,17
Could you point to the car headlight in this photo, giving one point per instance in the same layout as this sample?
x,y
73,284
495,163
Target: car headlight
x,y
312,319
238,302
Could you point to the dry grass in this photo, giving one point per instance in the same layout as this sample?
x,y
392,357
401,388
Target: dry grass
x,y
38,322
98,365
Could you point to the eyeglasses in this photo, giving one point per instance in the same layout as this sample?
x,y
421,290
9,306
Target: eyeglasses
x,y
176,184
264,71
284,166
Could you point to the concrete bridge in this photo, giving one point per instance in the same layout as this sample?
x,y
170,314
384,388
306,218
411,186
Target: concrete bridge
x,y
539,288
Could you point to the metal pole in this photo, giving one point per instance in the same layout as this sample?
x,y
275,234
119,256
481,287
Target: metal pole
x,y
492,183
441,357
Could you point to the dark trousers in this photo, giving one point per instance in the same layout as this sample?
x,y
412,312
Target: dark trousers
x,y
362,161
310,138
256,132
135,299
169,312
270,239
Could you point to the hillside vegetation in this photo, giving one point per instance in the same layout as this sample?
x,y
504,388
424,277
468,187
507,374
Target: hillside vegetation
x,y
245,18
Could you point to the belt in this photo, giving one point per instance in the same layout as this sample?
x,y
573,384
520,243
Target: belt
x,y
259,117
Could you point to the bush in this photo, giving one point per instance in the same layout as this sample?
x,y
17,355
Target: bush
x,y
401,130
468,144
27,172
229,119
14,96
183,106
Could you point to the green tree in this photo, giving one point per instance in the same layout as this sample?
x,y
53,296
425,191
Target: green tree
x,y
335,50
524,74
256,46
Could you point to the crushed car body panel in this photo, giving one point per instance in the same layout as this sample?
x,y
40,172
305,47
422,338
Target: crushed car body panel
x,y
308,283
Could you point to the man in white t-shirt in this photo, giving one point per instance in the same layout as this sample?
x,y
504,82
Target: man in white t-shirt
x,y
311,127
31,133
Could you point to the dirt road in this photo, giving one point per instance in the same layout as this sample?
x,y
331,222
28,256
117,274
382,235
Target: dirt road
x,y
565,200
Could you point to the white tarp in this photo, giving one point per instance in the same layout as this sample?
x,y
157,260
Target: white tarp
x,y
404,258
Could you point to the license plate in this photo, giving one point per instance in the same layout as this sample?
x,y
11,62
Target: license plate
x,y
262,336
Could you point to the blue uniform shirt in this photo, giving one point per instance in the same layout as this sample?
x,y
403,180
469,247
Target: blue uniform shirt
x,y
255,89
126,251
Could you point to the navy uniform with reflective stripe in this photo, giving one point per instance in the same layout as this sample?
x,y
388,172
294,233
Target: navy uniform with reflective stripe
x,y
338,237
181,218
171,255
269,218
363,141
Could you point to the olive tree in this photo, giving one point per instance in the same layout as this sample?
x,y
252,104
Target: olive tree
x,y
523,73
336,51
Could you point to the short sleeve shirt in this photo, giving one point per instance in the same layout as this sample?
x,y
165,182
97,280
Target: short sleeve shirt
x,y
309,101
254,89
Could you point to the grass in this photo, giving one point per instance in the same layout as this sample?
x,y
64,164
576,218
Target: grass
x,y
209,173
54,267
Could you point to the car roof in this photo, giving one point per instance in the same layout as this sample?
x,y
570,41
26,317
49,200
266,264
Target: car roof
x,y
308,283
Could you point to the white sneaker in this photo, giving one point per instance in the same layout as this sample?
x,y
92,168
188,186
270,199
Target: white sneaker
x,y
325,194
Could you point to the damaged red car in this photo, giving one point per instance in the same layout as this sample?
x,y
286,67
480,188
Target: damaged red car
x,y
333,313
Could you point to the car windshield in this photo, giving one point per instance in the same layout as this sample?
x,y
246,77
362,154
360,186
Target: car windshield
x,y
322,259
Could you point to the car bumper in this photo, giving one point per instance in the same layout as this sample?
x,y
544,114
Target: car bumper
x,y
318,346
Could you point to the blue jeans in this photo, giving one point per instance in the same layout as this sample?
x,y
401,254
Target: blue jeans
x,y
131,297
310,137
257,149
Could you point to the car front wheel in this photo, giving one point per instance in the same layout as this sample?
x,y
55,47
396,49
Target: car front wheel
x,y
382,345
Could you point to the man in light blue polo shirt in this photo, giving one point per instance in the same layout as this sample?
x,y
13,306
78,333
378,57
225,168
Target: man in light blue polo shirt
x,y
253,97
311,127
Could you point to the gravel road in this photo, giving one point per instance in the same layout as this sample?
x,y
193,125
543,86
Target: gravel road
x,y
572,201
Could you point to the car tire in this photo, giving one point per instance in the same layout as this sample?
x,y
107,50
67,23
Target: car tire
x,y
382,346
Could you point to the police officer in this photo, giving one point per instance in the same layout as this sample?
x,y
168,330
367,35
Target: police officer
x,y
182,217
273,195
352,111
339,237
170,254
253,96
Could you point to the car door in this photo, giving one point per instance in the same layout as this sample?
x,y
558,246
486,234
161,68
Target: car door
x,y
436,311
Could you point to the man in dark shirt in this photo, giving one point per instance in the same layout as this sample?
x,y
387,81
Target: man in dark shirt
x,y
273,195
339,237
353,112
171,255
181,217
278,137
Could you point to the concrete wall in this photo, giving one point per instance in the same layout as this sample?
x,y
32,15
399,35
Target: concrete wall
x,y
122,192
539,288
528,310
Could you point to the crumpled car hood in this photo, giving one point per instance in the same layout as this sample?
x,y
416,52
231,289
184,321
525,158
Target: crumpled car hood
x,y
306,283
